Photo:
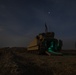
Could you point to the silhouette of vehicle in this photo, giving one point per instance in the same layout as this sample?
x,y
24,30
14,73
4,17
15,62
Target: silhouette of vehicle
x,y
46,43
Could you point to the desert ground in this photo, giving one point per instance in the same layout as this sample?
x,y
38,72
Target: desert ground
x,y
17,61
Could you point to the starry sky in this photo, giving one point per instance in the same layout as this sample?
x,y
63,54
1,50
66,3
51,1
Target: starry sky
x,y
22,20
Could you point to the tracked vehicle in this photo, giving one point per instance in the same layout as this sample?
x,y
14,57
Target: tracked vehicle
x,y
46,43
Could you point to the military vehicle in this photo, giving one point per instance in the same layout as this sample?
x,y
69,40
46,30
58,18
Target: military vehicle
x,y
46,43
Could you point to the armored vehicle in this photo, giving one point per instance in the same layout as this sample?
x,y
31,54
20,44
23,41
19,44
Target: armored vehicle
x,y
46,43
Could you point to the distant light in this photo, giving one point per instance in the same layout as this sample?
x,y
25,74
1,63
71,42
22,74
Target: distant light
x,y
49,12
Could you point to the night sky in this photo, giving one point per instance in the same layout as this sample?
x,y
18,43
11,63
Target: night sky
x,y
22,20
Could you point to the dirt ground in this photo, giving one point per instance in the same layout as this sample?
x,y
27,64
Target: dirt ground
x,y
16,61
